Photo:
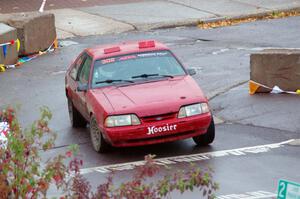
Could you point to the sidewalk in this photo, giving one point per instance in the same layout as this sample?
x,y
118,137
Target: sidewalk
x,y
146,15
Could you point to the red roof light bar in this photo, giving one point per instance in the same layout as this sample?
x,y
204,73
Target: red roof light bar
x,y
147,44
112,50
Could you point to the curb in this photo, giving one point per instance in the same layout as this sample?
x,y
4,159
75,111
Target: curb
x,y
263,14
195,22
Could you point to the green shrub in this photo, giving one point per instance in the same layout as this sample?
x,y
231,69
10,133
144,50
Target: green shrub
x,y
23,175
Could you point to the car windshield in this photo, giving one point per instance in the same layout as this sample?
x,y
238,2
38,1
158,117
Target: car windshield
x,y
135,67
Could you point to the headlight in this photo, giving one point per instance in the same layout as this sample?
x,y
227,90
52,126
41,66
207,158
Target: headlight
x,y
122,120
195,109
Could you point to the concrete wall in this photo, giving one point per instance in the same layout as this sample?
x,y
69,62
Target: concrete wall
x,y
7,34
36,31
276,67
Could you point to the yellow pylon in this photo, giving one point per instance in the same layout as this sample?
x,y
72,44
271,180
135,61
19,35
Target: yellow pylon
x,y
55,44
2,68
253,86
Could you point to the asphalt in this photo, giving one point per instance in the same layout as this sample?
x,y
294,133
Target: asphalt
x,y
221,58
85,18
236,173
12,6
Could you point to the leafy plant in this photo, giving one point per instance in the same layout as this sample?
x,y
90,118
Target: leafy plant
x,y
23,175
138,187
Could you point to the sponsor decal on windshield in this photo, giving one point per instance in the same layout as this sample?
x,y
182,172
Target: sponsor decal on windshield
x,y
153,54
127,57
107,61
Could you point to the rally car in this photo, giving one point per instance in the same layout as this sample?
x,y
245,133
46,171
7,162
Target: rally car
x,y
136,93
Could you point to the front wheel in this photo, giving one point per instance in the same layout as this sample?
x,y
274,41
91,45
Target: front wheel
x,y
208,137
99,144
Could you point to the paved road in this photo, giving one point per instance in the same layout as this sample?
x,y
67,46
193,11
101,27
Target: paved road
x,y
12,6
221,57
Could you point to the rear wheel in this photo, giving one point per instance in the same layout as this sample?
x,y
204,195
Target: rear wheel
x,y
99,144
76,119
208,137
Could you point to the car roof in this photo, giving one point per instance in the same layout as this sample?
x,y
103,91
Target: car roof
x,y
128,47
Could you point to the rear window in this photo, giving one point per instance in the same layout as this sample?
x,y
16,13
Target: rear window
x,y
127,66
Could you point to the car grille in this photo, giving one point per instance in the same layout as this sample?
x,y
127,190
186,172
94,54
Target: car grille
x,y
155,118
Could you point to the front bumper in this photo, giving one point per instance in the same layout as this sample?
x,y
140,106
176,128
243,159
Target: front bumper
x,y
158,132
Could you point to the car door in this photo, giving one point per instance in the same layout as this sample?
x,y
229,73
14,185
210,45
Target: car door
x,y
72,78
82,86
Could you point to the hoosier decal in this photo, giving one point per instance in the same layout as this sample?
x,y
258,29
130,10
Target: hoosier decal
x,y
153,129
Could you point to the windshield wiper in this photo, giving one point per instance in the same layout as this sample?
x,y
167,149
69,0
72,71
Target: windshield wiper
x,y
151,75
144,76
171,76
109,81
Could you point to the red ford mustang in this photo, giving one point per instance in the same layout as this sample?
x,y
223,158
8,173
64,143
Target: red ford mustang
x,y
136,93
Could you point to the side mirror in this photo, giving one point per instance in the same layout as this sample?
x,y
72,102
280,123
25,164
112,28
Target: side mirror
x,y
82,87
191,71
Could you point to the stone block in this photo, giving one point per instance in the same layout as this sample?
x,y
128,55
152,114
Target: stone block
x,y
7,34
36,31
276,67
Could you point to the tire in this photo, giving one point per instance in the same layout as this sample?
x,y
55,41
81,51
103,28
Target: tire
x,y
76,119
98,142
208,137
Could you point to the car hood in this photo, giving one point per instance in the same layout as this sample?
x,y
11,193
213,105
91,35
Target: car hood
x,y
153,98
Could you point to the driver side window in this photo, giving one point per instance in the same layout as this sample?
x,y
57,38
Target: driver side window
x,y
75,69
84,73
